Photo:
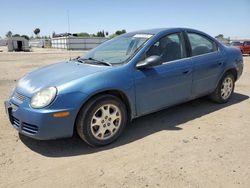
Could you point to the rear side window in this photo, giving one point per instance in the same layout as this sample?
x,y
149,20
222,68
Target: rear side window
x,y
201,44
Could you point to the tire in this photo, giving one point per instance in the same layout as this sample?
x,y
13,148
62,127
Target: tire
x,y
102,120
225,89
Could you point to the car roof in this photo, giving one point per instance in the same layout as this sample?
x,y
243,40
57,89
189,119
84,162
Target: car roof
x,y
158,30
155,31
240,40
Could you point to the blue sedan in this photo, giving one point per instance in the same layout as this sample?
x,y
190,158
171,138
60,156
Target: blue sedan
x,y
124,78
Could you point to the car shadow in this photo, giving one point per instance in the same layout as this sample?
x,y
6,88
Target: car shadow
x,y
170,119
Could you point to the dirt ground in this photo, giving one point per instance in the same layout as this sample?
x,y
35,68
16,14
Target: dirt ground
x,y
196,144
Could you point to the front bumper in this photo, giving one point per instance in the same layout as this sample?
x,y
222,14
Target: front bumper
x,y
239,69
40,123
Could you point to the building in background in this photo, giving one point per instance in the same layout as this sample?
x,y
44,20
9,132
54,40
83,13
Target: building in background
x,y
17,44
40,43
3,42
76,43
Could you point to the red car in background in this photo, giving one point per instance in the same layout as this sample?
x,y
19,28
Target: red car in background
x,y
243,45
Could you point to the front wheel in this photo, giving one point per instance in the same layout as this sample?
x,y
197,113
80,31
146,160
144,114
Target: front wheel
x,y
225,89
101,120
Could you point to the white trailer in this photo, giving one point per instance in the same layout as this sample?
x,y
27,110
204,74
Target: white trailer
x,y
77,43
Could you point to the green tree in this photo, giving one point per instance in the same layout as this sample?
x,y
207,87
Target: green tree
x,y
8,34
100,34
221,36
120,32
83,34
26,37
36,32
16,35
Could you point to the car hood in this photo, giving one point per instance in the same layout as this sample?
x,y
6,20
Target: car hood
x,y
55,75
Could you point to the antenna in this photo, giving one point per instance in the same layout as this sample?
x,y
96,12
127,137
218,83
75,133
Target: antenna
x,y
68,47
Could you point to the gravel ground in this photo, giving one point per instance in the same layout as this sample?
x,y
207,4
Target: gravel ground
x,y
196,144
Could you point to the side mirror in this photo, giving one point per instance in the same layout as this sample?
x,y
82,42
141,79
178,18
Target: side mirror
x,y
150,62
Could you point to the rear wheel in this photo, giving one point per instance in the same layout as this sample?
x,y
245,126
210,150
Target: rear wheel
x,y
224,90
101,120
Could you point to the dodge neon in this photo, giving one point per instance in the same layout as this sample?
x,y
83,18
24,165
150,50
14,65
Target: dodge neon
x,y
129,76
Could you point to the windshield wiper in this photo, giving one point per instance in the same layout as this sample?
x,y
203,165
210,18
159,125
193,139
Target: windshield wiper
x,y
82,60
78,59
97,61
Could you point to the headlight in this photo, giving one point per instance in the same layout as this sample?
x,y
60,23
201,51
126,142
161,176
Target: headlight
x,y
43,98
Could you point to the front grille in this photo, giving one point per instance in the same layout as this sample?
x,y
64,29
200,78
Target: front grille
x,y
25,127
15,122
29,128
19,97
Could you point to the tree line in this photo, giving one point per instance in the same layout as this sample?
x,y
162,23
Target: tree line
x,y
37,31
98,34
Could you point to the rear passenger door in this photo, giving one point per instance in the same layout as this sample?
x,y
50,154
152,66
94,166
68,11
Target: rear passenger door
x,y
207,63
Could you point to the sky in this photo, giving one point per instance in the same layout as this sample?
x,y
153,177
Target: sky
x,y
228,17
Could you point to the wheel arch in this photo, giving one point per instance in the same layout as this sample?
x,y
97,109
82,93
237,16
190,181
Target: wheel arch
x,y
121,95
233,71
115,92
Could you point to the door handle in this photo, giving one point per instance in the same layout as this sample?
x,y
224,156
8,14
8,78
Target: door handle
x,y
186,72
219,63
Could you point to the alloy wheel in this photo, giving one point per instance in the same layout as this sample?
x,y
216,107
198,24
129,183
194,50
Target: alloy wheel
x,y
226,88
106,121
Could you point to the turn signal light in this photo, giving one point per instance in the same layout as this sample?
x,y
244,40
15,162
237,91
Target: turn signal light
x,y
61,114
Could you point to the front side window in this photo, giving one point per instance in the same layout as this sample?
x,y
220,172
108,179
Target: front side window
x,y
201,44
118,50
170,48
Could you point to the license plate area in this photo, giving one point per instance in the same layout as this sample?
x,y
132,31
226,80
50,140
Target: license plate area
x,y
10,108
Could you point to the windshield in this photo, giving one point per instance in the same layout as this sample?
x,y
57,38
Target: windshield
x,y
236,44
119,49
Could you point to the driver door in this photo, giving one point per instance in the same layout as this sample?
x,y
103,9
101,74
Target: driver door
x,y
167,84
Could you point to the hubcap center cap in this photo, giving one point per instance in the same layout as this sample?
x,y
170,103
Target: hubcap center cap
x,y
106,122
